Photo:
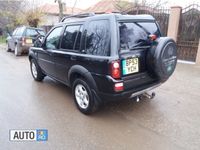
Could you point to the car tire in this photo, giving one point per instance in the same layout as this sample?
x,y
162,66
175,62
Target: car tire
x,y
36,71
84,97
16,51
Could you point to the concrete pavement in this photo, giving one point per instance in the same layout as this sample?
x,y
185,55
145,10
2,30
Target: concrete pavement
x,y
171,121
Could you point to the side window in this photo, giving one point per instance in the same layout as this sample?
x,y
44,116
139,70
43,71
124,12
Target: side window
x,y
14,32
20,31
97,40
71,36
52,40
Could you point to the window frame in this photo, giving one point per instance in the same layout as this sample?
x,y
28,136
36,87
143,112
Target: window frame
x,y
44,44
81,25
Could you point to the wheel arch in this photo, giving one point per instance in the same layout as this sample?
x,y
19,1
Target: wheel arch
x,y
78,71
31,55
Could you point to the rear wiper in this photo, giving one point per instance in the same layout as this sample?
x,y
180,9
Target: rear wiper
x,y
140,47
141,44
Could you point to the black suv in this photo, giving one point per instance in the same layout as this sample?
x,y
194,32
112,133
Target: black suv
x,y
104,57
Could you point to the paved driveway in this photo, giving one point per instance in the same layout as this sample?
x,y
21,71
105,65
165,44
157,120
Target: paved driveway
x,y
169,122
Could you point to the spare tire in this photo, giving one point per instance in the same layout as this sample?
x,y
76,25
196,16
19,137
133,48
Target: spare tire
x,y
162,58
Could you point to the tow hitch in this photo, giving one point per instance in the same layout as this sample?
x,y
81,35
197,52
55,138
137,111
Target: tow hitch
x,y
146,95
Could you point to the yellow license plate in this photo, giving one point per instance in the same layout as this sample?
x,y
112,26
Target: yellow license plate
x,y
29,41
130,66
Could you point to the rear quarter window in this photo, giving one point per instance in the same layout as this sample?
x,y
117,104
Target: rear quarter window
x,y
131,33
71,38
97,40
20,31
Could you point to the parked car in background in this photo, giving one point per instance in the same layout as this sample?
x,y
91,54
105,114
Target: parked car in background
x,y
22,39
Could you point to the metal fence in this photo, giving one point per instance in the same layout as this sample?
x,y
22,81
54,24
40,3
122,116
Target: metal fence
x,y
161,15
189,33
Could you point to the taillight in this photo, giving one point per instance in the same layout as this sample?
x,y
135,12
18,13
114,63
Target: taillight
x,y
152,37
115,69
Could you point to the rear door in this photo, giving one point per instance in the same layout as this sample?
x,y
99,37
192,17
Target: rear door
x,y
135,42
11,40
65,56
16,37
19,34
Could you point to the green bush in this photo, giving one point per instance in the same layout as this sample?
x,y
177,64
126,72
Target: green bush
x,y
2,39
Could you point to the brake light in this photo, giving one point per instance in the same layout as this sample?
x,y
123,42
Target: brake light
x,y
152,37
119,87
115,69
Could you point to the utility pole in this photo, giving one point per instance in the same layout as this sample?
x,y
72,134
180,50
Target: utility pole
x,y
60,4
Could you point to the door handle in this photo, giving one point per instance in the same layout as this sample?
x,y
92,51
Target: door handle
x,y
73,57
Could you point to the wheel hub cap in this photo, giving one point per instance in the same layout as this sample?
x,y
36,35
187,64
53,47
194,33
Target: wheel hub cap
x,y
81,96
34,70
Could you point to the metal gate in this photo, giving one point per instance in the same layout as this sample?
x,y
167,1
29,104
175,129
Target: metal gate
x,y
189,33
161,15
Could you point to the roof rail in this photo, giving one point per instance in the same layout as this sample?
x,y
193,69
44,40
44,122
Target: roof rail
x,y
84,15
78,16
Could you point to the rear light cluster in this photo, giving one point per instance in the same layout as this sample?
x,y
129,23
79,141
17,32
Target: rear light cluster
x,y
26,41
152,37
115,70
116,74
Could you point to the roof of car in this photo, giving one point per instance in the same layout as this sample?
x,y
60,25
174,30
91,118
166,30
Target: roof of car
x,y
29,27
135,17
76,18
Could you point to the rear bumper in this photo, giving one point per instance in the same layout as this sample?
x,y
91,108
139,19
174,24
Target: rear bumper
x,y
24,48
128,94
134,85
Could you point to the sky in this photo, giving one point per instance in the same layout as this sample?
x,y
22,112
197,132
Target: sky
x,y
87,3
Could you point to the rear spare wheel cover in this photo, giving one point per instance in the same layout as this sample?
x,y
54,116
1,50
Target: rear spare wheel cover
x,y
162,58
169,58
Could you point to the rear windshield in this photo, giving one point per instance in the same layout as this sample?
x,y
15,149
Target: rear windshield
x,y
34,32
136,33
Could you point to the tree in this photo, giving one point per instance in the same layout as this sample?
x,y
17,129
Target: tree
x,y
10,14
15,13
123,5
74,6
33,17
31,14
